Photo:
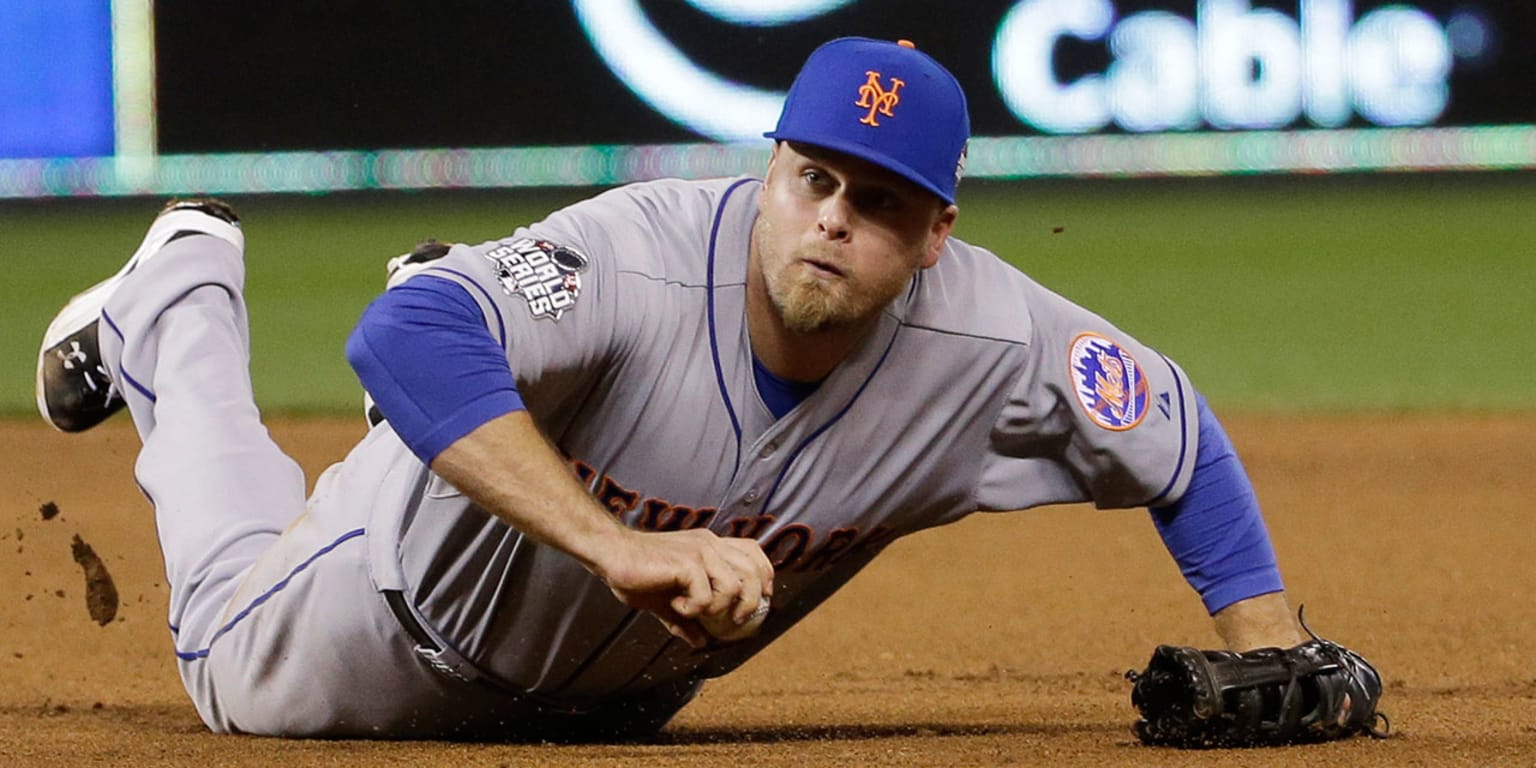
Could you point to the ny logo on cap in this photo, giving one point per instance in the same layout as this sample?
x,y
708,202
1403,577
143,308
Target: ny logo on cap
x,y
877,99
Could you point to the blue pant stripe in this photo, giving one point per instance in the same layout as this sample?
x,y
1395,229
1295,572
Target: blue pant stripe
x,y
263,597
131,381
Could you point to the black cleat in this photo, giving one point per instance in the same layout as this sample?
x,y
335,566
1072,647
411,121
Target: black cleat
x,y
75,390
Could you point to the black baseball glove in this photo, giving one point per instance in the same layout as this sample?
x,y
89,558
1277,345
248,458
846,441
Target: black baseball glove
x,y
1195,699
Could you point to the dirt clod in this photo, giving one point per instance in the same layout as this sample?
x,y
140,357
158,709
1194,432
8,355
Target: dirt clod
x,y
100,590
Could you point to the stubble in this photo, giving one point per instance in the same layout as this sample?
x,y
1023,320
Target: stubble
x,y
809,303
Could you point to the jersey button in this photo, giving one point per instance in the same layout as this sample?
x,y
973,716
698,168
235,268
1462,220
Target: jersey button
x,y
750,496
767,451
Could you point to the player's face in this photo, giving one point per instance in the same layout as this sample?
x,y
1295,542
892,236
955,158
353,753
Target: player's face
x,y
837,238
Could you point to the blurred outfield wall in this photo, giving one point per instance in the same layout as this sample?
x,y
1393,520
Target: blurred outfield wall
x,y
124,97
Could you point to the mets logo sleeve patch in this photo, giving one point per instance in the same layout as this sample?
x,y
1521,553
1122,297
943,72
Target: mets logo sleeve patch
x,y
546,275
1110,386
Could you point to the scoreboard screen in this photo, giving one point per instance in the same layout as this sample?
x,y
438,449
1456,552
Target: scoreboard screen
x,y
135,96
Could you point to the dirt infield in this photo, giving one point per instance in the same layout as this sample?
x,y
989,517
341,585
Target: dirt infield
x,y
1000,640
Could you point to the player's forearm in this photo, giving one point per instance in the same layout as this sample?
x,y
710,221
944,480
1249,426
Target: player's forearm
x,y
508,467
1215,531
1264,621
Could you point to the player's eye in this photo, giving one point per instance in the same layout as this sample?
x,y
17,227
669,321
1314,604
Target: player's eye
x,y
879,201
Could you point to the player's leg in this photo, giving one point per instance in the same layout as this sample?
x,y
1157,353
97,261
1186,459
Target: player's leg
x,y
175,330
279,627
169,333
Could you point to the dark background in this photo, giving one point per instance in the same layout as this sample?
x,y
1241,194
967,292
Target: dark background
x,y
358,74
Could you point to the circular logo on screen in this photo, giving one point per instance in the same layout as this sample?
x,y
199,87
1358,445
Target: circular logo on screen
x,y
1110,386
663,76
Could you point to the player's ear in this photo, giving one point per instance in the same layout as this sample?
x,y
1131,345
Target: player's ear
x,y
772,156
938,234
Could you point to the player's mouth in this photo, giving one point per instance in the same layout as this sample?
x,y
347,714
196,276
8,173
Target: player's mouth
x,y
823,269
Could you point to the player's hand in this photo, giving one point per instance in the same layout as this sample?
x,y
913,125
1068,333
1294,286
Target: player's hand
x,y
681,575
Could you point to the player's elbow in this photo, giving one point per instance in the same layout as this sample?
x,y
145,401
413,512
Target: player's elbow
x,y
358,350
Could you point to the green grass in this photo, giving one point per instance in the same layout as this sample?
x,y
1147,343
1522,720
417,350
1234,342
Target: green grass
x,y
1385,293
1381,293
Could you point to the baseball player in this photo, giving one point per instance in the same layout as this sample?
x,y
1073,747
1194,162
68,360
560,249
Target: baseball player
x,y
614,438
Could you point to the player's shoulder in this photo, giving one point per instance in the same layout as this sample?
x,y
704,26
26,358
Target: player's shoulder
x,y
672,194
973,292
662,205
649,225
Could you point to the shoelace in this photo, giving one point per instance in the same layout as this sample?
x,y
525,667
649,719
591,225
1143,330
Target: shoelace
x,y
113,393
1348,662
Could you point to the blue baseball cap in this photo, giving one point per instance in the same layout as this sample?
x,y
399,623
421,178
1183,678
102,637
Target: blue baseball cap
x,y
884,102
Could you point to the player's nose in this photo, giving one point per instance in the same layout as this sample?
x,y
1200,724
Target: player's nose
x,y
832,218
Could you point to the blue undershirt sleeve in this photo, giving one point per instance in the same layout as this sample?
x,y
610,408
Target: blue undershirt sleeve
x,y
1215,531
423,352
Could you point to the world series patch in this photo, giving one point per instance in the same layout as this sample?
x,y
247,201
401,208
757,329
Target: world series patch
x,y
1110,385
546,275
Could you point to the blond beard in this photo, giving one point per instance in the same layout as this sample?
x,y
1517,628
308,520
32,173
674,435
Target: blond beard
x,y
808,304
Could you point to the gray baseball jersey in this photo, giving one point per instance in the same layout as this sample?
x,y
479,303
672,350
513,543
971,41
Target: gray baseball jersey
x,y
623,318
